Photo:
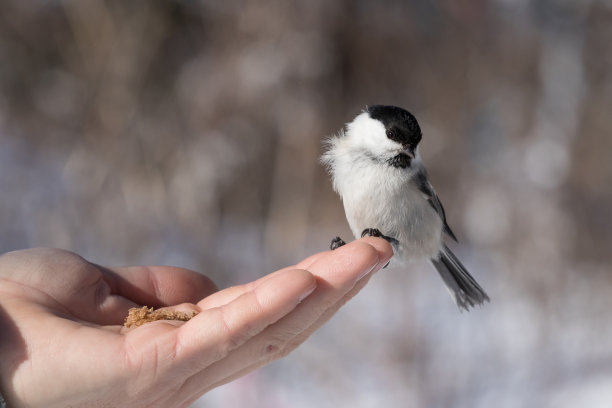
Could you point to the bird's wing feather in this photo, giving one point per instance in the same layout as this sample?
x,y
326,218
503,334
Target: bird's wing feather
x,y
426,188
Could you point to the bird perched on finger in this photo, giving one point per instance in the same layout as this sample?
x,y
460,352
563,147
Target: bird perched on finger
x,y
376,169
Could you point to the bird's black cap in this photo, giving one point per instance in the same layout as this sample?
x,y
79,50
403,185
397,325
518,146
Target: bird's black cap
x,y
401,125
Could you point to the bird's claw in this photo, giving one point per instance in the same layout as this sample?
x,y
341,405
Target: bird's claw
x,y
336,243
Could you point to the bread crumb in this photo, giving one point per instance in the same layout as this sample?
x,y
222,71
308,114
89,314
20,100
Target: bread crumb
x,y
138,316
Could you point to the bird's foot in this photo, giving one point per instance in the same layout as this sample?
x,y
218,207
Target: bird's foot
x,y
336,243
374,232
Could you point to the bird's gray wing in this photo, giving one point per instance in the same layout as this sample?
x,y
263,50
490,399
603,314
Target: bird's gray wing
x,y
425,187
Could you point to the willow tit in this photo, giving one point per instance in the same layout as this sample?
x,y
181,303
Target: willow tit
x,y
377,171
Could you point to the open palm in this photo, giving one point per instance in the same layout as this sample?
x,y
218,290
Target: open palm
x,y
62,342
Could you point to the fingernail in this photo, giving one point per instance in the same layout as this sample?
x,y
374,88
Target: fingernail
x,y
307,293
367,272
378,265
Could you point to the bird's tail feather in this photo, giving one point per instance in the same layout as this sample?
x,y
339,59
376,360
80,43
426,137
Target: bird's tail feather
x,y
463,288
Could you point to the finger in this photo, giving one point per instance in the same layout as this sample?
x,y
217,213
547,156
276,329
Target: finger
x,y
296,341
229,294
385,253
301,337
337,273
328,314
305,264
214,333
157,286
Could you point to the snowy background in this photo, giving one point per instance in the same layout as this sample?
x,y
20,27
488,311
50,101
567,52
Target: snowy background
x,y
188,133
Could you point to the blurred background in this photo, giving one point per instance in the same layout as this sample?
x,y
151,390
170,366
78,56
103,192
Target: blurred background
x,y
188,133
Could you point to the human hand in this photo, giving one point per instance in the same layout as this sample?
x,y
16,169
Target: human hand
x,y
62,342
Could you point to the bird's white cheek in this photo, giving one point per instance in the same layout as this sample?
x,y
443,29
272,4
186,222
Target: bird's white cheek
x,y
371,135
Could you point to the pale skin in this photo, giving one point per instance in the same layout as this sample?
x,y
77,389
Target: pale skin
x,y
62,342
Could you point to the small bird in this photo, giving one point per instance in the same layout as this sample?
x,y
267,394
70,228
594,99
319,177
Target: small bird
x,y
376,169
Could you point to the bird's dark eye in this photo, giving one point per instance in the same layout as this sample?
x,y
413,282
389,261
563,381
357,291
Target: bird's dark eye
x,y
390,134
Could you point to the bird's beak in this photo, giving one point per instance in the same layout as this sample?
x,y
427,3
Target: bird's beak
x,y
409,150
